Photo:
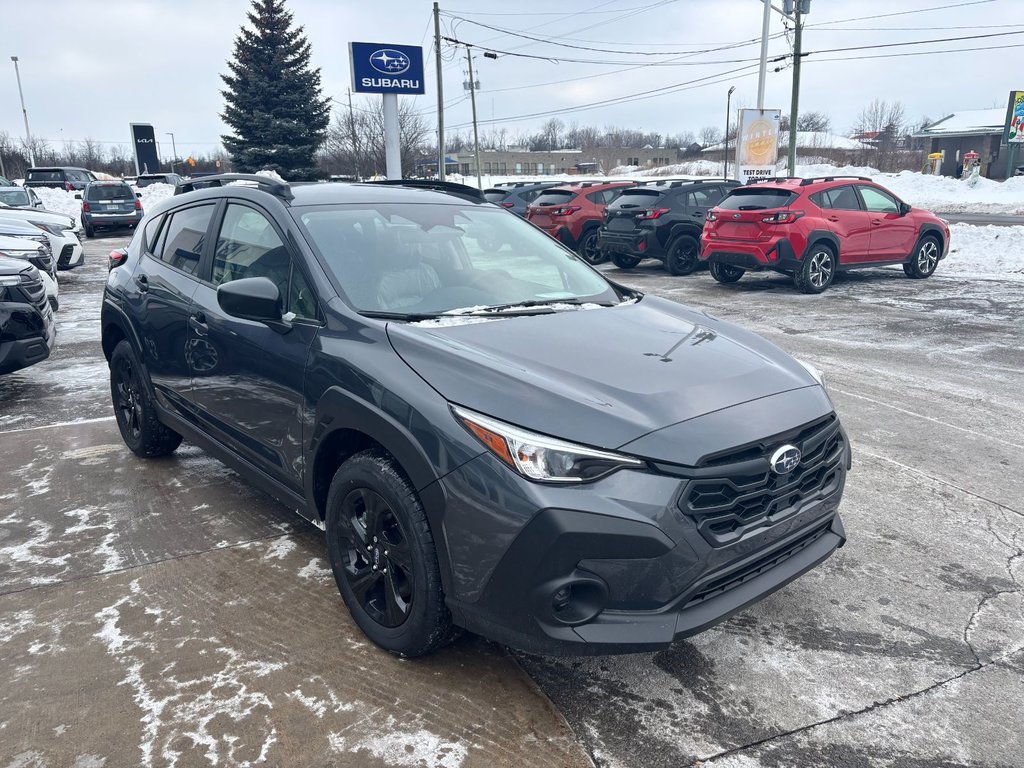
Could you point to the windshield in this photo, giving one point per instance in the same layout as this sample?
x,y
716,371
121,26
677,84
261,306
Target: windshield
x,y
635,198
145,181
554,197
52,174
429,259
110,192
14,197
756,199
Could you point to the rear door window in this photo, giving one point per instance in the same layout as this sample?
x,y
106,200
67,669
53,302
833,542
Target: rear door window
x,y
181,243
842,199
700,198
554,197
756,199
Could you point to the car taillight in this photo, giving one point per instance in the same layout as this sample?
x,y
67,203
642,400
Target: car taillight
x,y
782,217
508,205
85,207
566,210
653,213
711,216
138,205
117,257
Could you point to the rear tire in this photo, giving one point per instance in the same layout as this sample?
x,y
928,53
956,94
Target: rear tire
x,y
682,255
625,262
134,410
383,556
925,259
818,269
90,231
588,248
725,273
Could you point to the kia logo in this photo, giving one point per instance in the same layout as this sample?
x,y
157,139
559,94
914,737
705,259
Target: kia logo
x,y
144,141
389,61
785,460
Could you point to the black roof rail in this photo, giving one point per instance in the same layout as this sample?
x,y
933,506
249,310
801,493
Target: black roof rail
x,y
461,190
805,182
267,183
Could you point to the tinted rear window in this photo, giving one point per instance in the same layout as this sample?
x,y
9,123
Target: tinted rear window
x,y
495,195
636,198
756,199
51,175
554,197
111,192
145,181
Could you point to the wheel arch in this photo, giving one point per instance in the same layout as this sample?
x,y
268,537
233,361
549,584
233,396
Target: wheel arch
x,y
929,230
115,328
822,236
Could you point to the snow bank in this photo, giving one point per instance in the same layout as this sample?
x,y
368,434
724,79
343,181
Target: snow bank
x,y
988,252
60,201
942,193
155,193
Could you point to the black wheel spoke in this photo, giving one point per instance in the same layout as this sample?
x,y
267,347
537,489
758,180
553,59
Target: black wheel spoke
x,y
362,582
399,556
395,607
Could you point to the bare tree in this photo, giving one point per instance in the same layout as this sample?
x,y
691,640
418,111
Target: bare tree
x,y
355,140
709,136
882,124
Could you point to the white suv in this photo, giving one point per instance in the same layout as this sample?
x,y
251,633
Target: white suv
x,y
60,228
36,254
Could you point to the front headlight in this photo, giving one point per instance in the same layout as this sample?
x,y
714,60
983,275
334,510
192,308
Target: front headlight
x,y
26,255
815,373
53,229
540,458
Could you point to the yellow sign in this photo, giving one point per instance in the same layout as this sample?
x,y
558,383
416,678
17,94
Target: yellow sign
x,y
757,143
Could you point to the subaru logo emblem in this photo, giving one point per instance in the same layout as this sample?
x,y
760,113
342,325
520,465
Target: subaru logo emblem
x,y
737,216
785,460
388,61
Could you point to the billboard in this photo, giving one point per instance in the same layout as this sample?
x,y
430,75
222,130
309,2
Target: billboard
x,y
757,144
386,68
144,144
1014,131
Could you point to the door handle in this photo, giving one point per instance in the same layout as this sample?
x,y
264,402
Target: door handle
x,y
143,282
833,218
698,214
198,322
877,222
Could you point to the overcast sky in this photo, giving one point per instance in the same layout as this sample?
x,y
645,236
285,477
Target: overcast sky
x,y
91,67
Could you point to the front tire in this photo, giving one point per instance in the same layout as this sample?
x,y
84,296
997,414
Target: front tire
x,y
682,256
134,410
588,248
383,556
625,262
725,273
924,261
817,271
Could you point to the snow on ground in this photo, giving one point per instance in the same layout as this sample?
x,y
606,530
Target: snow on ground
x,y
62,201
943,193
985,252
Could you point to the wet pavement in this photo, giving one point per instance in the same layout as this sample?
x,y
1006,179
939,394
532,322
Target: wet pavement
x,y
164,613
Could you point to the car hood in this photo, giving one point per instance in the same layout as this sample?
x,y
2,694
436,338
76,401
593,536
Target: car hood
x,y
26,214
603,377
12,266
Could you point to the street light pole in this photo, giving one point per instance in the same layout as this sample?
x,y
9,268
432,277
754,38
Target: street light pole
x,y
794,107
762,74
728,99
472,101
24,112
174,150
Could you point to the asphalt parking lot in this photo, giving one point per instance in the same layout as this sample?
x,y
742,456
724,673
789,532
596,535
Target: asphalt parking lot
x,y
163,613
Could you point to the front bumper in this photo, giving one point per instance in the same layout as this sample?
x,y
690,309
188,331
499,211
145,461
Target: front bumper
x,y
68,250
27,337
640,571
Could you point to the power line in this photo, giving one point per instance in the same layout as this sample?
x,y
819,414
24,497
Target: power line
x,y
901,13
917,53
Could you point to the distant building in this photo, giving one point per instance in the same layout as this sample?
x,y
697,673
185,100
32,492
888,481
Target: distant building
x,y
523,162
975,130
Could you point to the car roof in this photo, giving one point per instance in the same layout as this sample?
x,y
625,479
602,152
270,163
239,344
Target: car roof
x,y
57,168
590,186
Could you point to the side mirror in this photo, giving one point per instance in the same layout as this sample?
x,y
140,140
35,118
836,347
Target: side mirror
x,y
138,194
904,209
253,298
78,197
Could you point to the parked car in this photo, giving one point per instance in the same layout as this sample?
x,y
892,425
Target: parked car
x,y
5,182
661,220
145,179
60,229
19,197
516,196
27,330
130,180
109,205
349,349
66,178
573,213
28,243
812,228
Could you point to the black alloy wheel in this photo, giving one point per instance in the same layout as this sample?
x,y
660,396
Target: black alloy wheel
x,y
589,249
682,257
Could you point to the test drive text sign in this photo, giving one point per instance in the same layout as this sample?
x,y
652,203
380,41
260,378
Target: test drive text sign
x,y
757,144
386,68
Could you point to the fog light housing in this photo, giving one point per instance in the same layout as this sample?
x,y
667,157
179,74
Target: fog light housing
x,y
575,599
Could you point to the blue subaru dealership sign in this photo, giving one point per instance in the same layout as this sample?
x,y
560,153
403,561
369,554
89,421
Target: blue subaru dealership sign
x,y
386,68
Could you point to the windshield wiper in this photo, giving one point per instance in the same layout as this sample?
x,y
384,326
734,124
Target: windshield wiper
x,y
410,317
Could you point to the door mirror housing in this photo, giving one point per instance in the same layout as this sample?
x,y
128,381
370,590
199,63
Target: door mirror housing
x,y
78,197
904,209
253,298
138,194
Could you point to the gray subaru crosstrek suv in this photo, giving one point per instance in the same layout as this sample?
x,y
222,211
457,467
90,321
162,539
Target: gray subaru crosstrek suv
x,y
499,440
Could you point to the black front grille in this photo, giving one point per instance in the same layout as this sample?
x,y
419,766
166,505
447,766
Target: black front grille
x,y
752,570
43,262
65,255
33,290
741,492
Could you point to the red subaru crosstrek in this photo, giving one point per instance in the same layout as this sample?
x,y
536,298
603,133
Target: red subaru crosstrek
x,y
812,228
573,214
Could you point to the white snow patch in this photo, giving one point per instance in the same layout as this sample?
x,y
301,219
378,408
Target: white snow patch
x,y
985,252
280,549
25,554
89,761
404,748
320,706
313,571
447,322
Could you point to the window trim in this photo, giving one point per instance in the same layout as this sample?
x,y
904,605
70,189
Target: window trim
x,y
161,231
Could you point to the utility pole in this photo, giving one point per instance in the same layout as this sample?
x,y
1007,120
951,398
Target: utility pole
x,y
794,107
440,95
24,112
472,101
174,149
763,71
352,130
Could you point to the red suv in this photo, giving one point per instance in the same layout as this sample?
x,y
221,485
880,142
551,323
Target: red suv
x,y
812,228
573,214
